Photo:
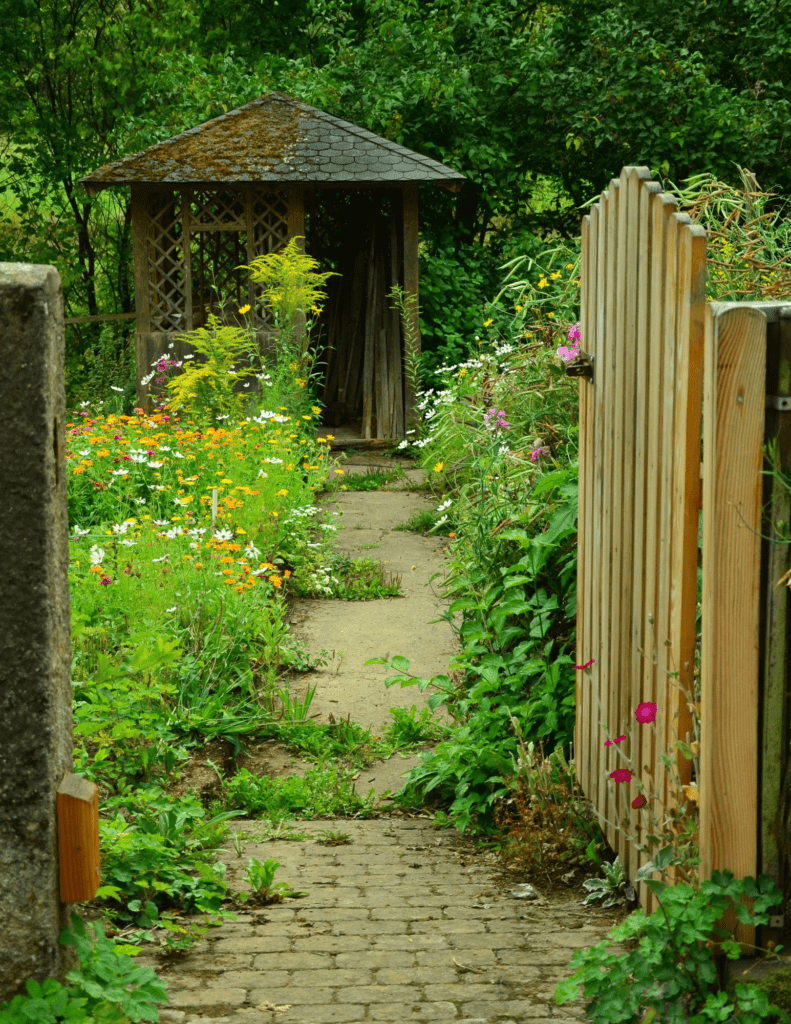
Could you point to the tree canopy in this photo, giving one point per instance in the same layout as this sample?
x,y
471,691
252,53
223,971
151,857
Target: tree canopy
x,y
537,104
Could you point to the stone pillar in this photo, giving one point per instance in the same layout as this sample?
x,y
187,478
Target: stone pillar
x,y
36,748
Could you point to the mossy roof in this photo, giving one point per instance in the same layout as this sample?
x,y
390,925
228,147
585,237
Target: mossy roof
x,y
275,138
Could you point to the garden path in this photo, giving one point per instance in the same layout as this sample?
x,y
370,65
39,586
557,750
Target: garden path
x,y
403,922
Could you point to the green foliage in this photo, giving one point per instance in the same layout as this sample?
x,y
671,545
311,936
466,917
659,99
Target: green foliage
x,y
157,859
322,792
673,976
372,480
261,878
107,988
409,728
205,389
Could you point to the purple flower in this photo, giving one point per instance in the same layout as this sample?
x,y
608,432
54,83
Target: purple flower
x,y
536,453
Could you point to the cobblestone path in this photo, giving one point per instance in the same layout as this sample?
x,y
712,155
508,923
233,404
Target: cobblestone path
x,y
395,927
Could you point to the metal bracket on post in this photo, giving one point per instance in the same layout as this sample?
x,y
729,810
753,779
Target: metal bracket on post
x,y
780,403
582,366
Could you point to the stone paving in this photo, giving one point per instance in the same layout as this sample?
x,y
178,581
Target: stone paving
x,y
395,928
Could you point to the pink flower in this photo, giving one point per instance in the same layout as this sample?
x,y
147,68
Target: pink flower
x,y
639,801
536,453
621,775
127,458
609,743
139,411
586,665
574,333
105,581
568,353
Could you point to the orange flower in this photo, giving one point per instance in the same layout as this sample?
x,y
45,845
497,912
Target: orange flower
x,y
276,581
96,568
287,573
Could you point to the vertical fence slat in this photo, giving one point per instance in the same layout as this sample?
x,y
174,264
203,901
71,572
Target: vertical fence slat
x,y
595,752
643,506
690,310
629,232
606,456
735,374
587,302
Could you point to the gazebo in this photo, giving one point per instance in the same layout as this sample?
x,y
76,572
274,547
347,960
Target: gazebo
x,y
241,185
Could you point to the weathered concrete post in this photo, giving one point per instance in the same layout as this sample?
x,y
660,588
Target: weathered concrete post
x,y
35,655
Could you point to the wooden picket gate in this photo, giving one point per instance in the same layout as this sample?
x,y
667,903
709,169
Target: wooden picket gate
x,y
644,319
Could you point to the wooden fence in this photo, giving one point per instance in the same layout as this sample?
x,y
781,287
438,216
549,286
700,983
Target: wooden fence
x,y
644,327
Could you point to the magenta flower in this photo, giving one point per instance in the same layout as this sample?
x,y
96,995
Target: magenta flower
x,y
586,665
574,333
105,581
621,775
645,712
536,453
609,743
127,458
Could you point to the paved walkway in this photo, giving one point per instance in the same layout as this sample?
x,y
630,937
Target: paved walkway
x,y
405,922
395,928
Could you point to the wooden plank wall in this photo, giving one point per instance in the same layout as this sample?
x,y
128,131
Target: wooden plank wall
x,y
642,320
362,345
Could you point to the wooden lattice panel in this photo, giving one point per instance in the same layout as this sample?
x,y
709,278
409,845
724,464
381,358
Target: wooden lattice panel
x,y
227,228
166,284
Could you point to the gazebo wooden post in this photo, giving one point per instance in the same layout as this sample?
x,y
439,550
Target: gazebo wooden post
x,y
410,192
142,301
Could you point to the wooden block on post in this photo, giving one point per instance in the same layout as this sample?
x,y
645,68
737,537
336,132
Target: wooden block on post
x,y
78,839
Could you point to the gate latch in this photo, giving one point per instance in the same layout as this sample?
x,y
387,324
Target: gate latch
x,y
582,366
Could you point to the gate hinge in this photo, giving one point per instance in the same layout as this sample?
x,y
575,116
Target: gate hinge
x,y
780,403
582,366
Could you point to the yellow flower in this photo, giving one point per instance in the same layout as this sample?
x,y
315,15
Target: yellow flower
x,y
438,467
304,418
463,371
340,471
569,266
276,581
556,275
225,480
487,322
519,309
543,283
78,470
550,315
315,409
244,309
282,494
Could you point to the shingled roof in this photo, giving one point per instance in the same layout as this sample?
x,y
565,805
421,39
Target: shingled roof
x,y
275,138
